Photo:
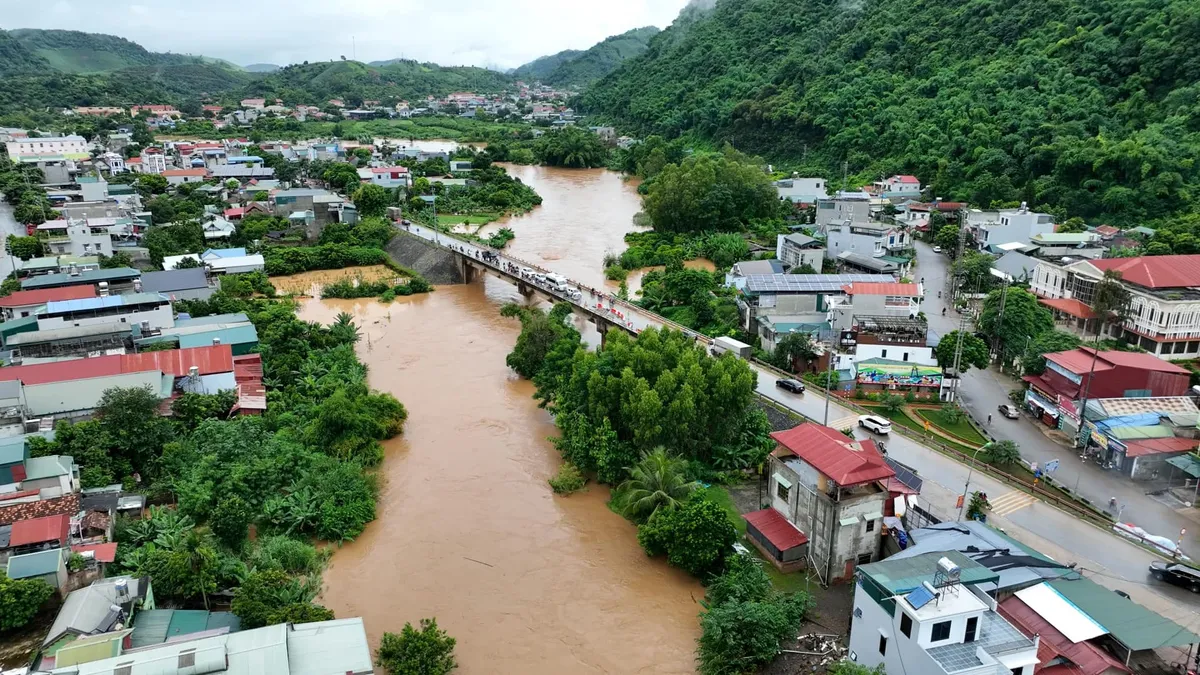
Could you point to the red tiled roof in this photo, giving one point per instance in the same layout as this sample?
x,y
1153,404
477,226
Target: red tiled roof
x,y
845,461
1080,361
865,288
1159,446
776,529
1070,306
44,295
1107,230
185,172
940,206
235,212
1160,271
211,359
68,504
104,553
1087,657
40,530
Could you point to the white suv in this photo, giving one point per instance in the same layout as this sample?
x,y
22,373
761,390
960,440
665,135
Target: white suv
x,y
877,424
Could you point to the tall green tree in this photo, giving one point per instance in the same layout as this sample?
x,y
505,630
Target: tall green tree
x,y
1034,360
1110,301
425,651
1013,316
571,147
974,351
371,200
20,600
708,192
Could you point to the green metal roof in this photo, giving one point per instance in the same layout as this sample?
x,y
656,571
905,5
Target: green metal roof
x,y
43,263
229,336
86,277
1131,624
51,466
156,626
150,627
1135,433
186,622
35,564
1188,463
12,450
898,259
903,575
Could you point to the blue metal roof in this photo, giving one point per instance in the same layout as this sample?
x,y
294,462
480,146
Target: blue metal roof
x,y
35,564
224,252
105,302
245,158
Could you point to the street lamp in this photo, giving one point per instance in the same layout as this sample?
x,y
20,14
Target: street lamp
x,y
970,472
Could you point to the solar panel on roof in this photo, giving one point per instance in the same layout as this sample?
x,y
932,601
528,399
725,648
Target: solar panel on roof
x,y
919,597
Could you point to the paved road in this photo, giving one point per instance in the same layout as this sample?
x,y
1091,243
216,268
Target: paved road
x,y
1117,563
8,225
983,391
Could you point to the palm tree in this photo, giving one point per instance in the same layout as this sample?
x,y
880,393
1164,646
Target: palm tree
x,y
1003,453
656,482
344,329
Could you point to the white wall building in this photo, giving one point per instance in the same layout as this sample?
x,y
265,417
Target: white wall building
x,y
130,308
64,237
865,238
926,615
854,207
71,147
993,228
797,249
801,190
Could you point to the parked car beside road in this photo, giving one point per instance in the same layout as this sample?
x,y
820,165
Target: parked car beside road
x,y
1180,575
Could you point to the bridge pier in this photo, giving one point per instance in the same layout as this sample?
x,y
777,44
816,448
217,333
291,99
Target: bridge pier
x,y
602,327
467,269
524,289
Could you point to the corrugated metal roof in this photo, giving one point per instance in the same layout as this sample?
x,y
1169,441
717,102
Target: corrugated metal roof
x,y
39,530
237,317
150,627
12,450
845,461
45,295
185,622
72,333
860,288
1131,624
87,610
86,277
86,304
35,564
169,281
776,528
1050,605
1162,271
237,335
104,553
322,647
212,359
51,466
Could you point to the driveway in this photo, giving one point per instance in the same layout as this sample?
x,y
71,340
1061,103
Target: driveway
x,y
982,392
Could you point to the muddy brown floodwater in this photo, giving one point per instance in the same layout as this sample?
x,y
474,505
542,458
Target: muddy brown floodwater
x,y
467,529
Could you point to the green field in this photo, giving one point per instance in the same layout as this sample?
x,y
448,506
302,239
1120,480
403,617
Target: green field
x,y
477,219
905,421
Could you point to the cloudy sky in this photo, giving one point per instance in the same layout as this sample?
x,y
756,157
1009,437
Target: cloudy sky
x,y
495,33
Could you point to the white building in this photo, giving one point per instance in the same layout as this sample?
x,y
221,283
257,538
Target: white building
x,y
798,249
866,238
113,162
76,238
853,207
897,186
153,161
386,176
145,309
927,615
181,176
1164,311
801,190
993,228
70,147
893,300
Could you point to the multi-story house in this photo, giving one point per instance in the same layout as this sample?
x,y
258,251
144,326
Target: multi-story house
x,y
870,239
844,207
890,353
1163,316
879,299
994,228
827,488
929,615
78,238
68,147
897,186
801,190
798,298
796,249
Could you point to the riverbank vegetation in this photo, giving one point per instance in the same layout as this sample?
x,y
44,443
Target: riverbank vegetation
x,y
654,416
425,651
303,470
697,299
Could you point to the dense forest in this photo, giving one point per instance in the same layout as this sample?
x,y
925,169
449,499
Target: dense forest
x,y
1090,107
315,83
72,51
581,68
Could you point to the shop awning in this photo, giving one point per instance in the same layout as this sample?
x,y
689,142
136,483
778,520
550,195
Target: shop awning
x,y
1189,464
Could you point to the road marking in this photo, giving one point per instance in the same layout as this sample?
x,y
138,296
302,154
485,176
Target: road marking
x,y
844,423
1011,502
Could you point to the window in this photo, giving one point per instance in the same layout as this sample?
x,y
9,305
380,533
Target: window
x,y
870,526
905,358
863,559
906,624
1018,671
783,491
941,631
972,628
882,645
123,668
187,659
884,355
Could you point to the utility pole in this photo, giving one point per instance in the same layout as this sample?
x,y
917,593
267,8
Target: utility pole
x,y
957,281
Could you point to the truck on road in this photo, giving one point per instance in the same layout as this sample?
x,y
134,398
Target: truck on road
x,y
727,344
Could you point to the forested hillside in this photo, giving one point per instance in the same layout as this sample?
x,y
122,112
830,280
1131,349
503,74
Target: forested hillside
x,y
316,83
582,68
16,59
1092,106
540,68
71,51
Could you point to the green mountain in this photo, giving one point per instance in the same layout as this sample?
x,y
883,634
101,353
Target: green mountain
x,y
261,68
1091,107
584,67
71,51
16,59
540,68
316,83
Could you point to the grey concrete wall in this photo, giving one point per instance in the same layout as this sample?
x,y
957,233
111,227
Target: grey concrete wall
x,y
437,265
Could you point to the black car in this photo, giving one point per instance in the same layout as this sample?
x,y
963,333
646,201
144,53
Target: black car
x,y
1180,575
794,386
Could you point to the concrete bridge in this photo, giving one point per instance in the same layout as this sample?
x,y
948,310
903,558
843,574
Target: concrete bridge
x,y
600,308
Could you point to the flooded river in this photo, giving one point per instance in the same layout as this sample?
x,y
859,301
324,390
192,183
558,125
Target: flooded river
x,y
468,530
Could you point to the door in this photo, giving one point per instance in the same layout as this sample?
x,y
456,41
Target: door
x,y
972,627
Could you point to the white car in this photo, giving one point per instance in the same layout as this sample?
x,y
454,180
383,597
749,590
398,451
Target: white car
x,y
937,249
876,424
